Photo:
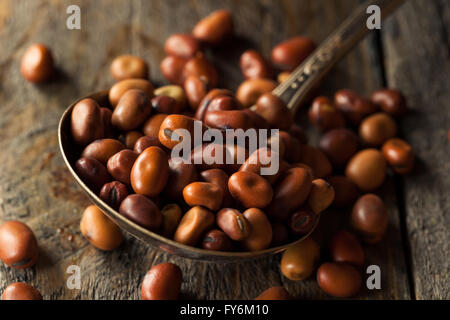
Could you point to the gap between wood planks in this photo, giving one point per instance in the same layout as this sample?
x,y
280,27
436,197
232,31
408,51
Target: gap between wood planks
x,y
398,181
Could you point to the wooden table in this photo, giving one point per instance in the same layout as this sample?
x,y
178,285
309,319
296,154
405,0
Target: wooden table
x,y
410,52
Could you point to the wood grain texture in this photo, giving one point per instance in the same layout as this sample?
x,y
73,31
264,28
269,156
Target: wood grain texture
x,y
417,62
36,188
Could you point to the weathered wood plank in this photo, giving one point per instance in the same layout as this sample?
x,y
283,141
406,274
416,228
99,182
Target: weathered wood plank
x,y
417,62
36,188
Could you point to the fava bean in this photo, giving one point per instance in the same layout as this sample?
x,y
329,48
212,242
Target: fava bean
x,y
162,282
99,230
142,211
194,224
18,245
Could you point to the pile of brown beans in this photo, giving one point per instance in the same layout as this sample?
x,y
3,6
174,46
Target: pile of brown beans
x,y
125,159
126,150
359,139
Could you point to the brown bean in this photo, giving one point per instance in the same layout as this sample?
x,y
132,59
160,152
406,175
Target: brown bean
x,y
150,172
176,92
214,28
377,129
199,66
86,122
399,155
260,159
260,236
162,282
367,169
354,107
18,245
370,218
116,92
130,138
21,291
106,116
153,124
321,195
250,90
390,101
172,69
274,111
254,65
37,63
171,215
169,132
102,149
317,160
299,260
250,189
164,104
231,119
339,279
99,230
196,89
288,54
280,234
208,99
302,222
219,178
142,211
345,191
128,67
345,247
216,240
181,45
324,115
290,193
204,194
113,193
180,175
194,224
92,172
339,145
233,223
145,142
274,293
131,110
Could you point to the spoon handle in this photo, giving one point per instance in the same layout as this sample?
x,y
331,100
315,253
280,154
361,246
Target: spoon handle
x,y
294,91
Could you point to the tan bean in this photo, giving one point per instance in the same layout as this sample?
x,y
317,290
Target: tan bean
x,y
250,189
299,260
233,223
181,45
117,90
99,230
214,28
321,195
250,90
171,214
196,222
204,194
18,245
150,172
131,110
260,236
128,67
